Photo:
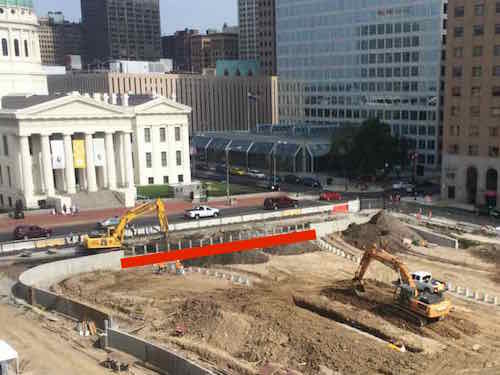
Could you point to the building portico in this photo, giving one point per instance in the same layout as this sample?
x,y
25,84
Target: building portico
x,y
55,147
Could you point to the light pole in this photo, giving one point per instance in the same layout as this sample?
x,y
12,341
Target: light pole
x,y
228,193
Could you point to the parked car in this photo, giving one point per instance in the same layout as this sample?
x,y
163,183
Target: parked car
x,y
256,174
110,222
237,171
31,231
292,179
280,202
312,182
404,186
201,212
330,196
273,186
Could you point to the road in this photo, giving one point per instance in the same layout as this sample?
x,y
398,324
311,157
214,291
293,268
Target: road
x,y
145,221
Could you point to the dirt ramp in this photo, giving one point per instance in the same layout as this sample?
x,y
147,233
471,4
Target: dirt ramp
x,y
367,322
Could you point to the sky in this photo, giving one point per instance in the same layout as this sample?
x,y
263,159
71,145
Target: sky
x,y
175,14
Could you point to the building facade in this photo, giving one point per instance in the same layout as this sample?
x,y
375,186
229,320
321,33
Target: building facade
x,y
59,38
357,60
207,49
218,103
471,144
53,147
116,29
247,21
266,36
20,62
257,20
178,48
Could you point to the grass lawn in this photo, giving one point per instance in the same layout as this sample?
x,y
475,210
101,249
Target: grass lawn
x,y
155,191
218,189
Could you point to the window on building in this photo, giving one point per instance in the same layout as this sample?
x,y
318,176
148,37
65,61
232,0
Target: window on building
x,y
430,159
477,51
458,52
1,200
457,71
493,151
495,91
26,50
421,144
17,51
10,201
473,150
9,177
479,9
178,157
5,47
495,111
475,111
180,178
456,91
496,70
151,180
496,50
459,11
147,135
163,159
475,91
5,146
477,71
459,31
177,133
149,160
163,135
498,7
455,110
474,131
165,180
478,30
493,131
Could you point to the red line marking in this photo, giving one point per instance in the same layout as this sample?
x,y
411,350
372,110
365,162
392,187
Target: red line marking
x,y
224,248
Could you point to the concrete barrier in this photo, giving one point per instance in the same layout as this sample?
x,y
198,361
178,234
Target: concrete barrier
x,y
158,356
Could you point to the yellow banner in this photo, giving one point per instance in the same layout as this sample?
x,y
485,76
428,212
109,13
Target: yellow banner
x,y
79,159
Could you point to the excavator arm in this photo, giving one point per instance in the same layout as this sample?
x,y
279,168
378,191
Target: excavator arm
x,y
143,209
385,258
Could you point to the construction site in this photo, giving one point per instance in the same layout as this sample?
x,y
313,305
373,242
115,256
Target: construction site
x,y
296,310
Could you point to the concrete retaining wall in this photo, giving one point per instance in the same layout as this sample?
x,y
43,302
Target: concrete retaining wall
x,y
436,238
156,355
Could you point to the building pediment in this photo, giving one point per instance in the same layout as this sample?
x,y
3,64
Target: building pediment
x,y
72,106
162,106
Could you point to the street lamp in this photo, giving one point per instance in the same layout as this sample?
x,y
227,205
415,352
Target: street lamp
x,y
274,155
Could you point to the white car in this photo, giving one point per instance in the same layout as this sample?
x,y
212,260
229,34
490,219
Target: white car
x,y
256,174
200,212
403,186
424,282
111,222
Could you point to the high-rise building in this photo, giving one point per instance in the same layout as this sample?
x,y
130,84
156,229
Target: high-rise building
x,y
207,49
357,60
471,141
126,30
178,48
257,21
247,21
59,38
266,36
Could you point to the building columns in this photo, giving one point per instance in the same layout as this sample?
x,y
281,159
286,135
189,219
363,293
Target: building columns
x,y
26,168
89,152
110,161
69,169
48,173
129,169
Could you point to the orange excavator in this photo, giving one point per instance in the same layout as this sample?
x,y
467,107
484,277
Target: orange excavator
x,y
418,307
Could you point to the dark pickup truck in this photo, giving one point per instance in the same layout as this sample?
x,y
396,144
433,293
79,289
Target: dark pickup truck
x,y
280,202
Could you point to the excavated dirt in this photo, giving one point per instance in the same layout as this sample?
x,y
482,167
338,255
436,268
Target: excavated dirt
x,y
240,329
382,230
488,253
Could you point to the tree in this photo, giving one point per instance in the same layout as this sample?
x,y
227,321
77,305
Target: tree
x,y
368,148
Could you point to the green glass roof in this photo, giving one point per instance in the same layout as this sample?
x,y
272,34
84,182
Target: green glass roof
x,y
17,3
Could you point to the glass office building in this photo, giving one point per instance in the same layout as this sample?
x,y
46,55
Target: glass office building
x,y
359,59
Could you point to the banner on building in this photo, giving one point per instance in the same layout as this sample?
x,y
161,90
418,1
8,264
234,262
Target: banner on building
x,y
58,156
79,154
99,152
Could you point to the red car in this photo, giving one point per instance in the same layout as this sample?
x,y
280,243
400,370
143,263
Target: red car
x,y
31,231
280,202
330,196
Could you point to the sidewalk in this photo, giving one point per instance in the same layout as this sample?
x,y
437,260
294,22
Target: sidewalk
x,y
173,206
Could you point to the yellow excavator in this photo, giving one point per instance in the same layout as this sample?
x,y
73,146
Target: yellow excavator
x,y
418,307
113,239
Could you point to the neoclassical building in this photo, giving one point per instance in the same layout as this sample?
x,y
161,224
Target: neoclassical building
x,y
74,148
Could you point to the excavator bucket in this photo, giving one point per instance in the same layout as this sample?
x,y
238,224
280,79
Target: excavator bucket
x,y
358,287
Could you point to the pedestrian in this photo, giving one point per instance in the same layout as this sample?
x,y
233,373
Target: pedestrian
x,y
64,209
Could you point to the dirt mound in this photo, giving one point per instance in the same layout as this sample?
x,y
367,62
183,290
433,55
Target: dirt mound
x,y
489,253
296,249
382,229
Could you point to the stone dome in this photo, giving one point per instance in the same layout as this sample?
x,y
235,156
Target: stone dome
x,y
20,60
